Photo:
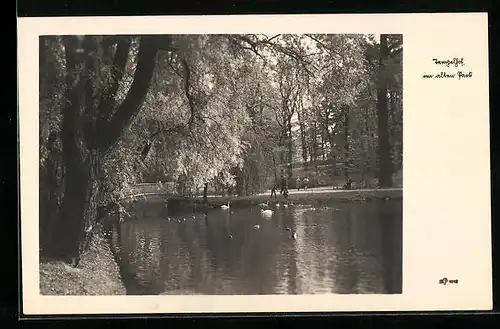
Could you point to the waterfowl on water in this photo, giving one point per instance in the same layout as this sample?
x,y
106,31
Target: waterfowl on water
x,y
230,236
256,226
264,204
294,235
267,212
224,206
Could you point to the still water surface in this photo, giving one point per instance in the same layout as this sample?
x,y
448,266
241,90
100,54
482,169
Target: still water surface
x,y
342,249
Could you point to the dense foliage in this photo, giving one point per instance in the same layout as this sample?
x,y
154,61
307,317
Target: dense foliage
x,y
231,112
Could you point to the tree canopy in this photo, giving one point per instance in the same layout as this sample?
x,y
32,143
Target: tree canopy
x,y
231,111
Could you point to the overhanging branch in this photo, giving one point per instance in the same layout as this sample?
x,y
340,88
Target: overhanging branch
x,y
111,132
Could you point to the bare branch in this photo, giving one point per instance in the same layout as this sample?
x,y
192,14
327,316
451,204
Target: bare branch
x,y
187,76
270,39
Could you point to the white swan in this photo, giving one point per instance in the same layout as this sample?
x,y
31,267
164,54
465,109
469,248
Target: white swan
x,y
267,212
264,204
224,206
256,226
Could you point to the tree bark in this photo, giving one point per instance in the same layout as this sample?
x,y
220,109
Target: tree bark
x,y
384,151
205,193
314,145
346,143
50,181
275,170
393,126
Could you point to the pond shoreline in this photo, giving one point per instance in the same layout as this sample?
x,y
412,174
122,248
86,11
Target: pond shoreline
x,y
99,273
312,196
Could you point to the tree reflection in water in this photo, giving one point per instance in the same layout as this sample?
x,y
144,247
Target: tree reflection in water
x,y
353,249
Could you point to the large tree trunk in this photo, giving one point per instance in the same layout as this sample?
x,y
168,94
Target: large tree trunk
x,y
88,132
79,207
50,195
205,193
384,149
346,143
275,170
331,142
366,148
393,139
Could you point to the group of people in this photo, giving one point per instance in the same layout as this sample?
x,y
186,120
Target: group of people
x,y
304,182
284,186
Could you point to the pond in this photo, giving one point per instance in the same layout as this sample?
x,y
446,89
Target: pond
x,y
341,249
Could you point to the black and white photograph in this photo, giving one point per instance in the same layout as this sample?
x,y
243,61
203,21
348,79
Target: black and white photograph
x,y
212,164
254,163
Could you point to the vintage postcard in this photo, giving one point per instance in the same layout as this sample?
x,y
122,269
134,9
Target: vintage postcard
x,y
254,163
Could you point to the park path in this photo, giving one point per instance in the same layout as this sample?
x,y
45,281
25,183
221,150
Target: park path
x,y
329,189
316,193
152,190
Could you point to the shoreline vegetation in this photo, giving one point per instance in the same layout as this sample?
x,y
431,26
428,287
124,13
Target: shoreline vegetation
x,y
99,274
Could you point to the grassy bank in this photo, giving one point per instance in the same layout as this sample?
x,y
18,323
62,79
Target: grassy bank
x,y
315,196
97,273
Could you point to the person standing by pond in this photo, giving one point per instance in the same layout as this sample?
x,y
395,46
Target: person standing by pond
x,y
284,187
273,191
306,182
348,184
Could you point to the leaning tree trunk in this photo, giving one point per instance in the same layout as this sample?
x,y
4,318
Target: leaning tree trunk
x,y
384,148
89,132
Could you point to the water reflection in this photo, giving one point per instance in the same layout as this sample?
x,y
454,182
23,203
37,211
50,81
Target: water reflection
x,y
352,248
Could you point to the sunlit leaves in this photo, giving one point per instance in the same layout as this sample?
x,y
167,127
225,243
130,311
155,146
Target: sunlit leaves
x,y
220,102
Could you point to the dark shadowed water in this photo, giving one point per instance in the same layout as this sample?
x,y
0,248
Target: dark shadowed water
x,y
342,249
